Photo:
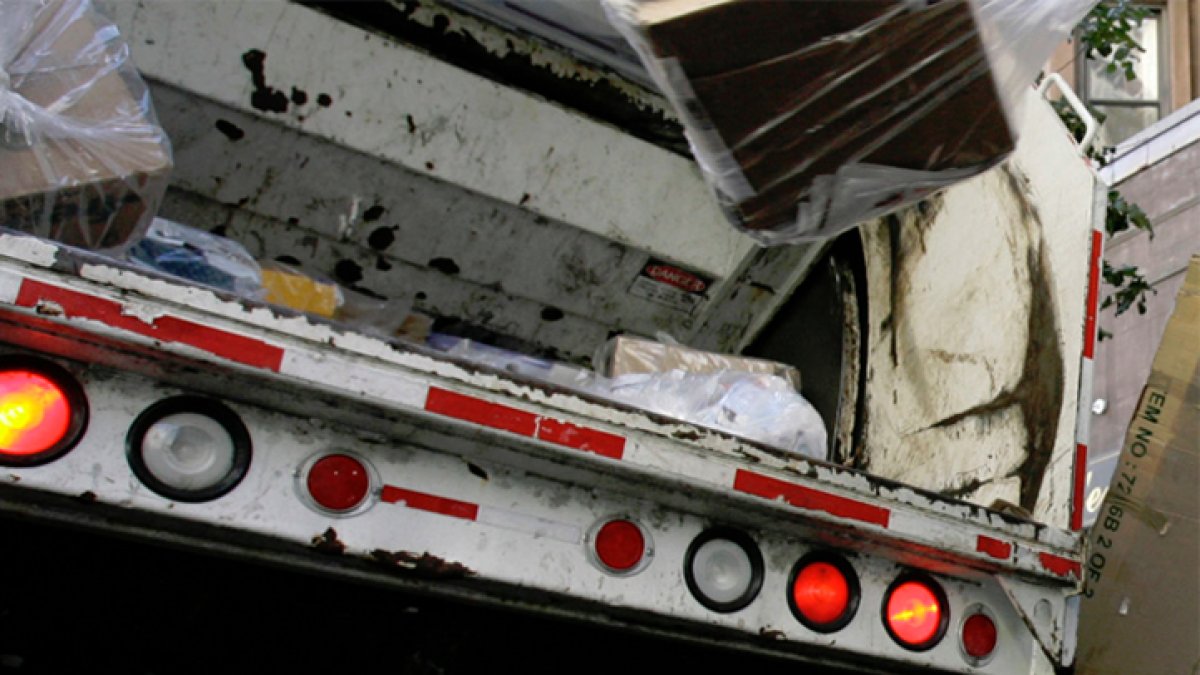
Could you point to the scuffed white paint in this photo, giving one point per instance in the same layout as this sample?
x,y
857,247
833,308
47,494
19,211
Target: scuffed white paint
x,y
27,248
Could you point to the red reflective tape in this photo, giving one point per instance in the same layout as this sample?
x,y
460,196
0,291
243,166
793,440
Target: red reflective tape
x,y
505,418
1000,550
1061,566
808,498
1077,504
76,305
1093,296
581,438
432,503
478,411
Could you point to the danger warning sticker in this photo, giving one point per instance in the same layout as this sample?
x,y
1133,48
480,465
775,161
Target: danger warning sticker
x,y
670,285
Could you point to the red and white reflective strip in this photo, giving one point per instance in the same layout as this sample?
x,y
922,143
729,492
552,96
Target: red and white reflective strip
x,y
68,303
524,423
362,378
1086,379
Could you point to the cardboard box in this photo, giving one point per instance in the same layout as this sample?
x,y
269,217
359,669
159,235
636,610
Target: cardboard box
x,y
96,164
1141,607
789,97
626,355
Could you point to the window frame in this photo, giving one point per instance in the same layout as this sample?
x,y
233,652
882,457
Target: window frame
x,y
1162,102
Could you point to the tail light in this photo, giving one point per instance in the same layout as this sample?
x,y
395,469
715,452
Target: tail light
x,y
620,546
339,483
723,569
824,592
43,411
189,449
978,636
915,612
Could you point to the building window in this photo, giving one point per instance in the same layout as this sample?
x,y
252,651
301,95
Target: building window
x,y
1130,105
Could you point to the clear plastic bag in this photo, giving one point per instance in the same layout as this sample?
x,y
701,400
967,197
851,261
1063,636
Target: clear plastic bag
x,y
523,365
84,160
627,355
760,407
808,117
199,257
312,293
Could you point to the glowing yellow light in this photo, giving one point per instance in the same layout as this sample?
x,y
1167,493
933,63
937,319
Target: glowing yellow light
x,y
33,413
915,613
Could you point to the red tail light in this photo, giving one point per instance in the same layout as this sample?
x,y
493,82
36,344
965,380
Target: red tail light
x,y
43,411
824,592
339,483
979,637
620,546
915,612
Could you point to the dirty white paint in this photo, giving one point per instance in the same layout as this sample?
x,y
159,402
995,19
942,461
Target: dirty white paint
x,y
25,247
10,285
466,130
950,324
549,55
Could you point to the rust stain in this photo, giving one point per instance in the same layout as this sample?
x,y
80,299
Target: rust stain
x,y
424,564
87,497
328,542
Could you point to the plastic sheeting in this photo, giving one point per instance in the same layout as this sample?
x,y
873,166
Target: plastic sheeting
x,y
758,406
628,355
809,117
82,158
199,257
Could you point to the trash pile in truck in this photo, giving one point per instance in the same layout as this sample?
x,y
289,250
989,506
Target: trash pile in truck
x,y
91,165
896,99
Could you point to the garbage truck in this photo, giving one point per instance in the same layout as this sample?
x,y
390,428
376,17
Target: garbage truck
x,y
506,178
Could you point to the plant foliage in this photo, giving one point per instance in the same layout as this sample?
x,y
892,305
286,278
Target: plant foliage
x,y
1108,33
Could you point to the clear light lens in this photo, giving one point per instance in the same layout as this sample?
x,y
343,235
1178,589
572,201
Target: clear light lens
x,y
188,451
722,570
620,545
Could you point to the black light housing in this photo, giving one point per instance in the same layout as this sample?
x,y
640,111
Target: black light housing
x,y
723,569
823,591
189,448
43,410
915,611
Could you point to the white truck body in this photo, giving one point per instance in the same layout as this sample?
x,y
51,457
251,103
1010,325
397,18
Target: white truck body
x,y
962,376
